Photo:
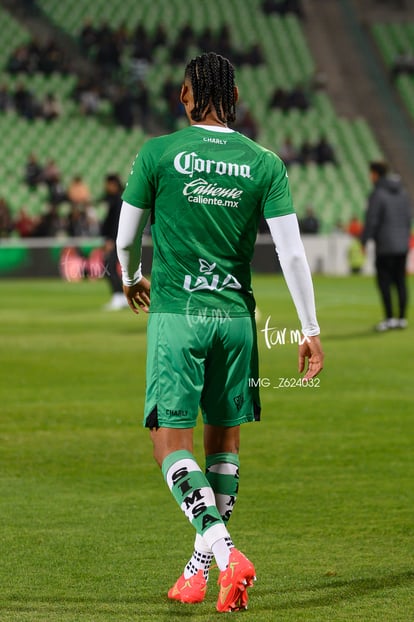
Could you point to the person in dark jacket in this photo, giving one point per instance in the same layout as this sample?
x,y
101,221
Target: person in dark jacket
x,y
113,198
388,223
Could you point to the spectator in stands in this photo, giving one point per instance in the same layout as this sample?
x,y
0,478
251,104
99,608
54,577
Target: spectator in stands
x,y
50,224
25,102
186,37
78,192
24,223
6,222
113,199
283,7
51,59
288,100
19,61
6,99
280,99
142,99
288,152
51,108
321,153
123,107
34,57
88,37
89,98
206,39
141,45
306,153
245,122
33,172
298,99
82,222
309,223
57,192
107,53
403,64
121,36
160,36
388,223
77,223
324,152
94,226
253,56
53,179
51,172
223,44
34,51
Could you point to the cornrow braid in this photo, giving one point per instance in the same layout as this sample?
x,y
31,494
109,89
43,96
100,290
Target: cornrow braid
x,y
212,81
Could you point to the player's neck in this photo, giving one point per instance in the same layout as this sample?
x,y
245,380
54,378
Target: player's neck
x,y
210,118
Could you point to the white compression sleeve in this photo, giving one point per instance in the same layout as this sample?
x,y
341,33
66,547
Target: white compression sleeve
x,y
132,221
295,267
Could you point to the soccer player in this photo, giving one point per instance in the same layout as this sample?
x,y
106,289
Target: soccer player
x,y
206,187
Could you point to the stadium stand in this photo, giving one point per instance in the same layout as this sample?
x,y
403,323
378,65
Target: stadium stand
x,y
395,42
93,145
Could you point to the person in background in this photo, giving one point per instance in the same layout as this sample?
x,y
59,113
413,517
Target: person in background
x,y
78,192
309,223
388,223
288,152
33,172
24,223
50,107
6,222
113,199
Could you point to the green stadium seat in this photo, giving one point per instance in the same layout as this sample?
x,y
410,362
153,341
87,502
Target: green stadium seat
x,y
86,146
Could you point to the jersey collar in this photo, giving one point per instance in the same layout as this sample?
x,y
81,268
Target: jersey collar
x,y
214,128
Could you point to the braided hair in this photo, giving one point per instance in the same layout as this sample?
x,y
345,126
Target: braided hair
x,y
212,80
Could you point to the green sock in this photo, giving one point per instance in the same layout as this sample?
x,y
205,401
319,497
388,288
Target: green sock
x,y
222,472
193,493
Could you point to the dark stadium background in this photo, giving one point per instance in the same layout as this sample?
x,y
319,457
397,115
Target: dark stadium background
x,y
99,78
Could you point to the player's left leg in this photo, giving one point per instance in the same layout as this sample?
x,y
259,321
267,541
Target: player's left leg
x,y
230,397
222,471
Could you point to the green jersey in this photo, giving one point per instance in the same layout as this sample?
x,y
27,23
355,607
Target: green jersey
x,y
207,189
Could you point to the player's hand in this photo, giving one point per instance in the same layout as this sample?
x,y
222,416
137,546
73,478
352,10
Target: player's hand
x,y
138,295
311,349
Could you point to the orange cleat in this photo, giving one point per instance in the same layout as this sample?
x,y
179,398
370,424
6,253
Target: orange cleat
x,y
234,581
190,590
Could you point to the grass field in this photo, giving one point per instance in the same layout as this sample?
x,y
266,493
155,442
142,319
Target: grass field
x,y
89,531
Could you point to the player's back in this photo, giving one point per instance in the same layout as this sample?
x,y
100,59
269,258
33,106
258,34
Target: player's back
x,y
210,185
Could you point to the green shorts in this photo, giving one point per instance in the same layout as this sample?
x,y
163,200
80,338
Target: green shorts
x,y
211,364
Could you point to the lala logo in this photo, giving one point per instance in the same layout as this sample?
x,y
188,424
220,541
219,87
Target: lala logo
x,y
213,284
